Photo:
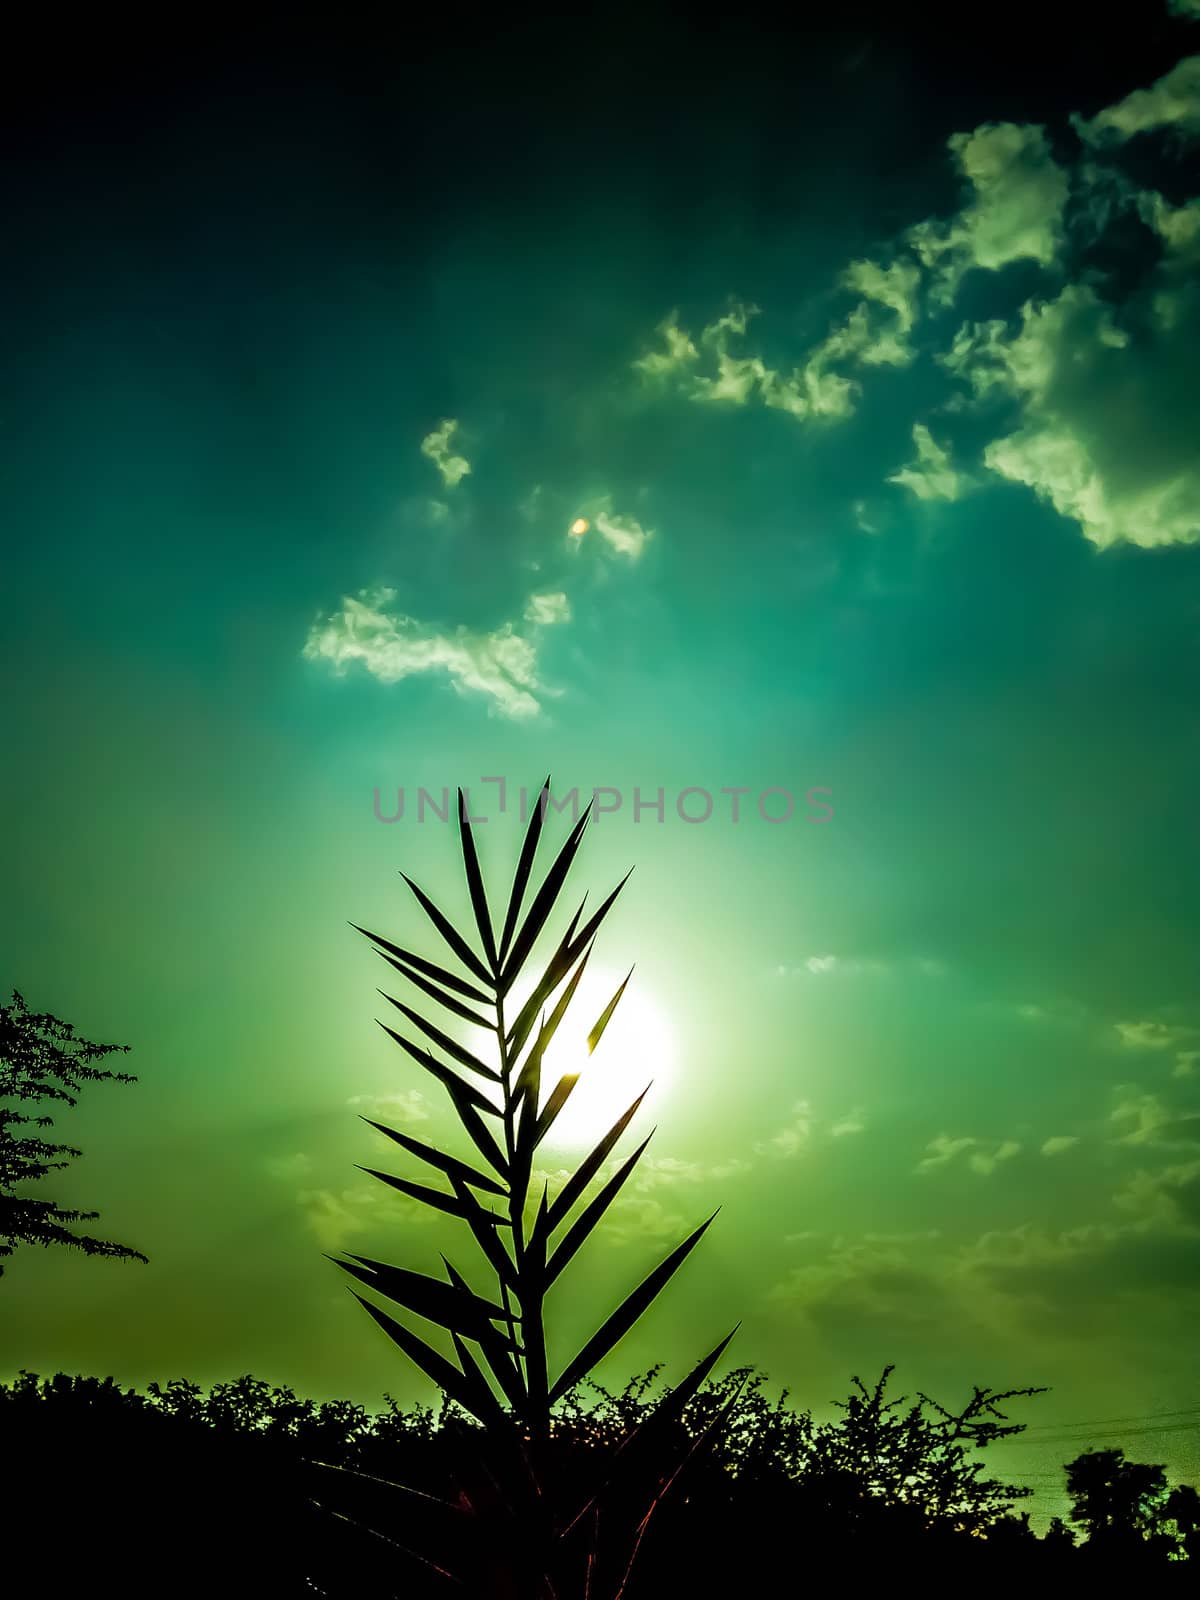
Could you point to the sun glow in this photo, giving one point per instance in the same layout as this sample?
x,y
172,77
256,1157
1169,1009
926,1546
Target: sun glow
x,y
638,1047
578,528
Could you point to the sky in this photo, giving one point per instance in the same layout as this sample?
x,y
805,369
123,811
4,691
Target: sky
x,y
867,356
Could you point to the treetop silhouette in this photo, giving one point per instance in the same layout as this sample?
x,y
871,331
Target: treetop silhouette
x,y
43,1059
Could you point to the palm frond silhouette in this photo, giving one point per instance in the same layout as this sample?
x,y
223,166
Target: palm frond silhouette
x,y
500,1373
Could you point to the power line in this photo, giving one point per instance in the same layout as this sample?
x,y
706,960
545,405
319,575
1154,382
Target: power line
x,y
1102,1422
1123,1433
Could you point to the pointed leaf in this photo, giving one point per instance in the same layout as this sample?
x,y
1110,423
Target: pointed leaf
x,y
524,866
557,967
669,1409
428,1197
393,1544
458,1052
579,1231
550,1028
597,1032
439,1302
486,1403
429,968
431,1362
424,1058
588,930
451,934
483,1227
667,1483
440,995
436,1158
479,905
626,1314
559,1096
588,1168
476,1131
431,1501
495,1347
543,903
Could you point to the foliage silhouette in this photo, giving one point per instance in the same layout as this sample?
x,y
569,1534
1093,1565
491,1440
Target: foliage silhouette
x,y
207,1472
41,1059
516,1495
1119,1504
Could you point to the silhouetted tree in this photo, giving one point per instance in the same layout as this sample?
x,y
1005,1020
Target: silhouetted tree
x,y
1058,1536
1119,1504
1183,1508
41,1060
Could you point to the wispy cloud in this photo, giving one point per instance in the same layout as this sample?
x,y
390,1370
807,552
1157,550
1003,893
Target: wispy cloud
x,y
437,446
832,966
546,610
1147,1035
804,1126
407,1105
931,476
713,371
981,1155
501,665
1142,1118
621,533
854,1123
678,354
1174,101
1059,1142
790,1140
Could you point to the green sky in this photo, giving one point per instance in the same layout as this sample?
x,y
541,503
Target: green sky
x,y
880,405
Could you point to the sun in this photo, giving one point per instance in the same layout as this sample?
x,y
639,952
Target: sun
x,y
638,1047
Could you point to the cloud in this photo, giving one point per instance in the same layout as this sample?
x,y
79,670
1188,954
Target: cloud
x,y
812,389
791,1140
436,446
851,1284
1172,102
982,1155
501,665
896,286
931,476
337,1216
829,966
1145,1119
411,1105
665,1171
623,534
848,1125
1014,212
1060,1142
1147,1035
678,353
803,1127
545,610
1109,423
1187,1064
1188,9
